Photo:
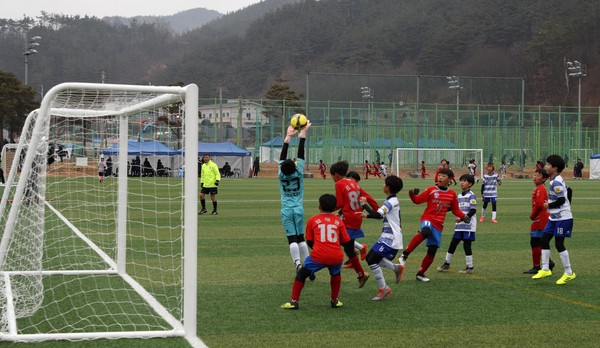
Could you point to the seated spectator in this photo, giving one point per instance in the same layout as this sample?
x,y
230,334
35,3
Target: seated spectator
x,y
160,169
147,168
227,170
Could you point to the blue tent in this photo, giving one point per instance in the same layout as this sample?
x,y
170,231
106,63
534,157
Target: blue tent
x,y
387,143
146,148
436,143
226,148
350,142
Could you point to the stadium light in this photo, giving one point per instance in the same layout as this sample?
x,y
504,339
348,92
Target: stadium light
x,y
367,95
454,83
30,46
578,70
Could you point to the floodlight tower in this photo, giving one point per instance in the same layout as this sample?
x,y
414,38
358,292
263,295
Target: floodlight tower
x,y
367,95
454,83
30,46
578,70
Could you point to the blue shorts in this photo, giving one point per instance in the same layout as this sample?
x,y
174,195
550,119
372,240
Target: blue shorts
x,y
292,220
384,250
536,233
436,235
314,266
561,228
464,235
355,233
489,199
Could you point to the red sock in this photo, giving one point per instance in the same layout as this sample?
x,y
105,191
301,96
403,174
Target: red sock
x,y
357,266
427,261
297,289
414,242
536,255
335,282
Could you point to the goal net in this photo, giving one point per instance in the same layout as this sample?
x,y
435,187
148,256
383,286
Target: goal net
x,y
84,256
408,160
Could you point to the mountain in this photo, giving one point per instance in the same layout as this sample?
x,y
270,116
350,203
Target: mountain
x,y
244,52
180,22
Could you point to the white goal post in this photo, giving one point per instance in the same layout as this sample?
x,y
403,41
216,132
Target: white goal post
x,y
409,159
84,256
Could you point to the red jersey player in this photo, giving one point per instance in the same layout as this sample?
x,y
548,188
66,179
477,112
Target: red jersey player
x,y
347,194
423,170
367,169
325,232
539,218
322,169
439,200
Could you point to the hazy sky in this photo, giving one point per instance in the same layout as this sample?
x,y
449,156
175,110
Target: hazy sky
x,y
15,9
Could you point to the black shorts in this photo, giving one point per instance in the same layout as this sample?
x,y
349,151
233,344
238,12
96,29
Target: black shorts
x,y
210,190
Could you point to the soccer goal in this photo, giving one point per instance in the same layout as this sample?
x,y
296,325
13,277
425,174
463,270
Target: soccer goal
x,y
86,257
409,160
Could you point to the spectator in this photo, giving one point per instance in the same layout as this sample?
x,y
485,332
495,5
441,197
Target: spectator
x,y
109,165
148,170
256,167
227,170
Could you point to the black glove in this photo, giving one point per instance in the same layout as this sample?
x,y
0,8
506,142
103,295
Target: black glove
x,y
467,219
217,183
415,191
201,185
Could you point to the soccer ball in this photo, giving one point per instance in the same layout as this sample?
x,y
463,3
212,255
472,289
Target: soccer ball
x,y
298,122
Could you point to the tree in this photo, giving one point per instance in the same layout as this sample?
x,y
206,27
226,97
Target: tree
x,y
281,98
16,102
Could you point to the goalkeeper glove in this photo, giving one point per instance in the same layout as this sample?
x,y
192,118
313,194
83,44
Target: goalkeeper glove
x,y
201,185
303,132
467,219
415,191
217,183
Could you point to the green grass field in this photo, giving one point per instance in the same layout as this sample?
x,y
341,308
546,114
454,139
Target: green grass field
x,y
246,273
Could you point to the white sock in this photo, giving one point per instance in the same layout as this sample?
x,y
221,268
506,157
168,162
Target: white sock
x,y
545,259
295,252
469,259
358,246
493,215
449,257
303,250
376,270
387,264
482,212
566,261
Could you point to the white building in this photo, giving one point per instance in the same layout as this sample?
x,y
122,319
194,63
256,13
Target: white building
x,y
247,114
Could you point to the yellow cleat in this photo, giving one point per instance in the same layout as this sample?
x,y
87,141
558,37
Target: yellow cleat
x,y
566,278
542,274
290,305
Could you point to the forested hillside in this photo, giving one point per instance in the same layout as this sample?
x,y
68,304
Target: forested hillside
x,y
244,52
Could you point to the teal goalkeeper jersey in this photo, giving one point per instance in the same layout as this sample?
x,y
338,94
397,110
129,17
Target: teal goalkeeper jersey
x,y
292,186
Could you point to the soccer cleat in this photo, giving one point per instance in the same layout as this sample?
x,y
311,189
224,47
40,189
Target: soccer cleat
x,y
382,293
363,252
421,277
336,303
402,260
398,270
482,219
214,212
203,211
565,278
542,274
362,280
347,264
533,270
494,221
444,267
290,305
467,270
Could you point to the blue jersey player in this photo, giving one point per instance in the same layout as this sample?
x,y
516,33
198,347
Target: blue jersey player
x,y
464,230
291,186
560,224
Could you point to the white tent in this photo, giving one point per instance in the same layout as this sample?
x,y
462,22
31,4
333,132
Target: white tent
x,y
595,166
